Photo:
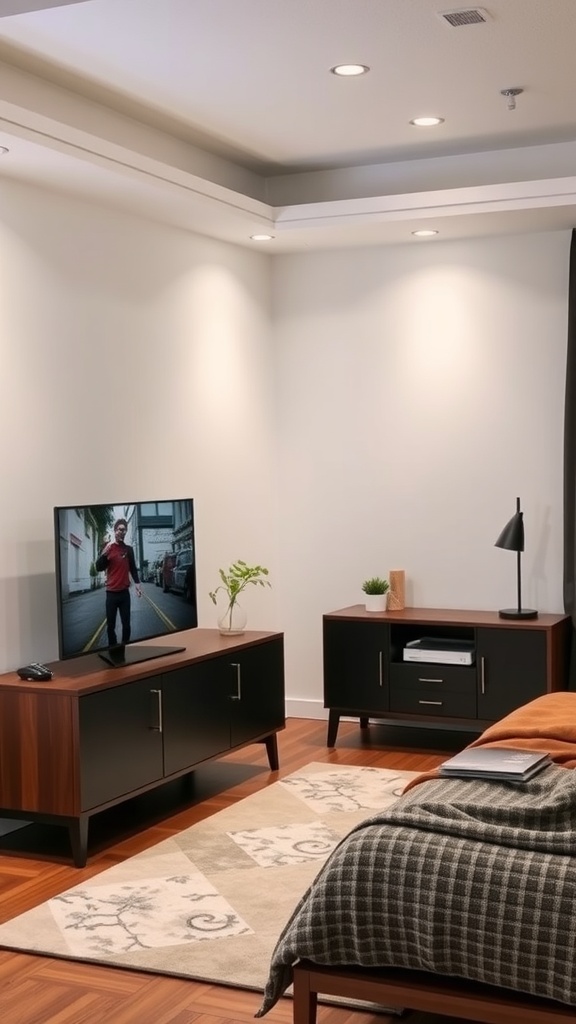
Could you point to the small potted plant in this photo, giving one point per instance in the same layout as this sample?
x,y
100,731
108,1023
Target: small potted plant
x,y
375,589
234,581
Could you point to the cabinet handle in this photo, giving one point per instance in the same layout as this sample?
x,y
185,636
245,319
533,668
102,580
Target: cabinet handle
x,y
436,703
482,675
238,694
158,728
422,679
380,672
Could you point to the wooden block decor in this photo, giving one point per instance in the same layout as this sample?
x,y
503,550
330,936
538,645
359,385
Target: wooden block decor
x,y
396,594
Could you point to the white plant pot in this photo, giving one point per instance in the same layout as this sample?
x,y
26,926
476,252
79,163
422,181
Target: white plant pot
x,y
375,602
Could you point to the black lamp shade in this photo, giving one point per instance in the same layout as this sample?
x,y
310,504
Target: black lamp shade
x,y
512,536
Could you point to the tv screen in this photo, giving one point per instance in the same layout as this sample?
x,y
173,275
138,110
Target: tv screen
x,y
124,573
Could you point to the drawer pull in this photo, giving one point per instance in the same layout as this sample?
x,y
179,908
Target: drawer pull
x,y
159,727
436,703
483,675
422,679
238,694
380,673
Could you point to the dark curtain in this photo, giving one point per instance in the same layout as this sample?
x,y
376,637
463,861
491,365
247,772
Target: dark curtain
x,y
570,463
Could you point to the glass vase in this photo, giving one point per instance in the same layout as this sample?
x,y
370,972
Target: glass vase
x,y
233,620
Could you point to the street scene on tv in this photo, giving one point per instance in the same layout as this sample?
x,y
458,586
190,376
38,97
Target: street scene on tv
x,y
124,573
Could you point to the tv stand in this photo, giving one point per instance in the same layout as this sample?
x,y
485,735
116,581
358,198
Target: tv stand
x,y
128,655
91,738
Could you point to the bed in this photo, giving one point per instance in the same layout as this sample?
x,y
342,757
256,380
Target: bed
x,y
458,899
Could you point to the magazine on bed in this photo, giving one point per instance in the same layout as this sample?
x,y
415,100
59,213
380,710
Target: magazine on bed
x,y
505,763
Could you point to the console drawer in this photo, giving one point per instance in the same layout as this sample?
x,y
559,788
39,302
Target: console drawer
x,y
438,702
455,678
428,689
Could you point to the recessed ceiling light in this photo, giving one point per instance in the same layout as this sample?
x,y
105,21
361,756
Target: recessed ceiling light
x,y
261,238
350,70
427,122
425,233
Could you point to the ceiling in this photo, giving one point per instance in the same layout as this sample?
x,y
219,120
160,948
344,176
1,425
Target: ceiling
x,y
222,116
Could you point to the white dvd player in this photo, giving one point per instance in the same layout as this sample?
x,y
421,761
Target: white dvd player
x,y
440,651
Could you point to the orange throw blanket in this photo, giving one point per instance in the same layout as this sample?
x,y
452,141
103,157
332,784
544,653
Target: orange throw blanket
x,y
546,724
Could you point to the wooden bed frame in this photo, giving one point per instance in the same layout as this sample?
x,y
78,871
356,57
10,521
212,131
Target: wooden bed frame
x,y
417,990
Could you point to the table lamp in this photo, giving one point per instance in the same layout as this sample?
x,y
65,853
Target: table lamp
x,y
512,539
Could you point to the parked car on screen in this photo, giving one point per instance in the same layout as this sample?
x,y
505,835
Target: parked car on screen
x,y
183,574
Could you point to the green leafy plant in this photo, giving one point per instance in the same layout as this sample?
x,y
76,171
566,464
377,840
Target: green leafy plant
x,y
375,585
236,579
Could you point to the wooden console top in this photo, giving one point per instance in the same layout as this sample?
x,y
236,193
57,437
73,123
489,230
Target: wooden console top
x,y
90,672
448,616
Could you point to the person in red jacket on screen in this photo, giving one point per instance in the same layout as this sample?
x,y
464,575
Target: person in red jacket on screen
x,y
117,560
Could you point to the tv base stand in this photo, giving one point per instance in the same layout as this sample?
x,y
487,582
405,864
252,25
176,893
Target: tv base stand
x,y
121,655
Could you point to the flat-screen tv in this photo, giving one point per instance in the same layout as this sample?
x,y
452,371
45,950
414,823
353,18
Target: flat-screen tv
x,y
124,573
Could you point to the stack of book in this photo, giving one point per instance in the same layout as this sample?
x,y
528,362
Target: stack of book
x,y
505,763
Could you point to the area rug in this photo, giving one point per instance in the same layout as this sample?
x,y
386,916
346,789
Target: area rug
x,y
210,903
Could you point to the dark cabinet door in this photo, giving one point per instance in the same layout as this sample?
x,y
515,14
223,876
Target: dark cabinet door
x,y
196,714
511,669
120,741
356,658
256,691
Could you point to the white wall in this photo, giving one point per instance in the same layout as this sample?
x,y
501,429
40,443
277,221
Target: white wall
x,y
421,389
334,415
135,364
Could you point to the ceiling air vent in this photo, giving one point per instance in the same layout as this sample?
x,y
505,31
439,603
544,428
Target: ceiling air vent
x,y
465,16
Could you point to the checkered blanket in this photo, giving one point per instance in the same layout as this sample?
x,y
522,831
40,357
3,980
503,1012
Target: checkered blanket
x,y
469,878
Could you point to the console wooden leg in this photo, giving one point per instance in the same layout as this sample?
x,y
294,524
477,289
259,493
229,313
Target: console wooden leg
x,y
305,1001
272,751
78,830
364,723
333,723
188,783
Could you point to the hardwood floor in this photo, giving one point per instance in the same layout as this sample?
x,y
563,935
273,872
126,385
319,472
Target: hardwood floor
x,y
35,865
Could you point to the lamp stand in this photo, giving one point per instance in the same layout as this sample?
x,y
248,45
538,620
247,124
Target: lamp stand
x,y
515,613
519,612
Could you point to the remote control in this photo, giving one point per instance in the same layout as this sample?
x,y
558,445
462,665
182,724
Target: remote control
x,y
35,672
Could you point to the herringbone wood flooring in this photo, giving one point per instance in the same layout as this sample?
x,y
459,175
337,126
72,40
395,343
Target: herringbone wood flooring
x,y
35,865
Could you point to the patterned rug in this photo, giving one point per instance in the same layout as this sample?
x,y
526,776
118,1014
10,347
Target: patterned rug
x,y
209,904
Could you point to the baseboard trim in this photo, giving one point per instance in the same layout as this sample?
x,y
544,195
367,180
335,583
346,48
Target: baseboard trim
x,y
302,708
